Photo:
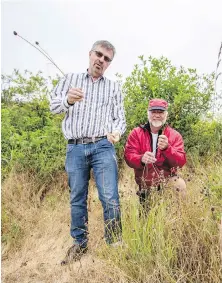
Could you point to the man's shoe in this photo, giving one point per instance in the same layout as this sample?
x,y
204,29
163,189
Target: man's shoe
x,y
74,253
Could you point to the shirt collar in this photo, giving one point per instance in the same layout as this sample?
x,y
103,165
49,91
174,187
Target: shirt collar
x,y
87,75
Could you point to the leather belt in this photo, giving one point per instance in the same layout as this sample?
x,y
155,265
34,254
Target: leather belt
x,y
86,140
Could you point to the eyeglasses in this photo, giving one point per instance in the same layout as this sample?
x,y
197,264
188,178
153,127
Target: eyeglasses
x,y
100,55
157,112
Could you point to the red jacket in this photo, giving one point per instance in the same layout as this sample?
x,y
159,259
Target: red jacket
x,y
140,141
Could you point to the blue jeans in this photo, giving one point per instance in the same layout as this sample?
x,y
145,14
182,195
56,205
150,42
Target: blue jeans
x,y
101,157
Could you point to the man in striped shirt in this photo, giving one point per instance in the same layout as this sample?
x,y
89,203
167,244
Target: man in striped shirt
x,y
94,121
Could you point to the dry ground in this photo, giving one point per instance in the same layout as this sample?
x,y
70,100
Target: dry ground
x,y
47,239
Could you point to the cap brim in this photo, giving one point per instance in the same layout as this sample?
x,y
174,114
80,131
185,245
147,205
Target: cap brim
x,y
157,108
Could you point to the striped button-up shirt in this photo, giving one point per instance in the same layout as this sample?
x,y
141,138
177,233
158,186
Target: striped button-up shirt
x,y
100,112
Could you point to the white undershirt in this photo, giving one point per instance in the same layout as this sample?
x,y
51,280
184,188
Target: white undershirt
x,y
154,136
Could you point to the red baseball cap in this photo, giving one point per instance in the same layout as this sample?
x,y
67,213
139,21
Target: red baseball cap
x,y
158,104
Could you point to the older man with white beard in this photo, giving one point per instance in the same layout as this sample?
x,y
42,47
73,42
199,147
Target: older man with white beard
x,y
156,151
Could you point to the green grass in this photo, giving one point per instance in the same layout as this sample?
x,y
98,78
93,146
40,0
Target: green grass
x,y
178,241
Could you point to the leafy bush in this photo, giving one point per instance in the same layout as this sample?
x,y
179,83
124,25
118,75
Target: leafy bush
x,y
31,136
188,94
205,138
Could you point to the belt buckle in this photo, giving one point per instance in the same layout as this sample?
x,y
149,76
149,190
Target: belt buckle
x,y
83,141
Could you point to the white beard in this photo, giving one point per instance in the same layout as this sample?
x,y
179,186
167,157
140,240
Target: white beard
x,y
157,124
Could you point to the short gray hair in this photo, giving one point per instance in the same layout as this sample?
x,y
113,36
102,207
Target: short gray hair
x,y
106,44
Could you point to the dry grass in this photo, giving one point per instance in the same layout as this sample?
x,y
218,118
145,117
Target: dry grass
x,y
33,251
178,242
